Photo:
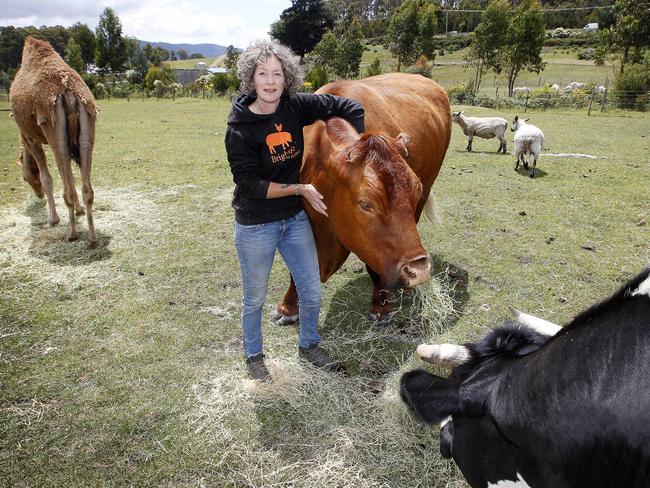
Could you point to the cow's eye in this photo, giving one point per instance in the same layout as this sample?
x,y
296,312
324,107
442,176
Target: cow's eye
x,y
366,206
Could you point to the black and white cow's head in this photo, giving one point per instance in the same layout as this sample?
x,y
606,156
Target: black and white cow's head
x,y
535,405
461,402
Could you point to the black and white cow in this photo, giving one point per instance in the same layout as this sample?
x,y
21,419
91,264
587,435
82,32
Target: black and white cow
x,y
536,405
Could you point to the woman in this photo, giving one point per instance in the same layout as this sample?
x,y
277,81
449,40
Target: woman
x,y
264,142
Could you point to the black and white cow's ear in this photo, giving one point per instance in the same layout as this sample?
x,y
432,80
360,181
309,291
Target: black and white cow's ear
x,y
341,132
402,144
431,397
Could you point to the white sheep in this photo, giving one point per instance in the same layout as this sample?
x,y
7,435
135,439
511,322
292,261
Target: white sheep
x,y
555,87
574,85
529,139
520,89
485,127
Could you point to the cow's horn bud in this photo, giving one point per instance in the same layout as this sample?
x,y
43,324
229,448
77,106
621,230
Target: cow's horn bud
x,y
445,355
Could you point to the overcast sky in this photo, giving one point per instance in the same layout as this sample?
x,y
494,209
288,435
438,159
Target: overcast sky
x,y
223,22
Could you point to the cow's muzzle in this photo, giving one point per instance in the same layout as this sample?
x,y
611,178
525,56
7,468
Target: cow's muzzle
x,y
415,271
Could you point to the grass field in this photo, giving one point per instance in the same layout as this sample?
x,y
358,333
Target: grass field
x,y
123,365
563,66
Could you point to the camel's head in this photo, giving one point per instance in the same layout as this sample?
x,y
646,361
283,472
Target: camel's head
x,y
31,173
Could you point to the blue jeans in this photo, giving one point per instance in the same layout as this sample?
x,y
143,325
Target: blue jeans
x,y
256,245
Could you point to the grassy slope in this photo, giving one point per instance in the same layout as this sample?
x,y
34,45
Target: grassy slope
x,y
562,67
144,384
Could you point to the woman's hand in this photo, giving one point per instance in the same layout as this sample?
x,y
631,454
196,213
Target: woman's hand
x,y
315,199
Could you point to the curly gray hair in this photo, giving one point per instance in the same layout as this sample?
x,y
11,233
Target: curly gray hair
x,y
259,52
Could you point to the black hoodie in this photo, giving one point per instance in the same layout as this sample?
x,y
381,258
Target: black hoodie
x,y
269,148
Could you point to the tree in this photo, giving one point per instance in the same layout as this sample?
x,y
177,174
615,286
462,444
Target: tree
x,y
403,31
85,38
488,40
427,27
11,46
349,51
140,66
375,68
73,56
631,31
231,59
182,54
524,41
111,48
324,54
302,25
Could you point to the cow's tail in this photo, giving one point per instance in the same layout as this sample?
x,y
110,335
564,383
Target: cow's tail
x,y
431,209
71,106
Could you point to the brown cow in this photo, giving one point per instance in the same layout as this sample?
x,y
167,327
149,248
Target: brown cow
x,y
376,185
52,105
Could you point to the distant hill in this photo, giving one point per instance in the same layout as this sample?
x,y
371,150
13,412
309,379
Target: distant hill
x,y
208,50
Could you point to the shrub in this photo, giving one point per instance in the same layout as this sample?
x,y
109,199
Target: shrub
x,y
631,87
317,77
460,93
375,68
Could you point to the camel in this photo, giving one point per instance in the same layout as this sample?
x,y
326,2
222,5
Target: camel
x,y
52,105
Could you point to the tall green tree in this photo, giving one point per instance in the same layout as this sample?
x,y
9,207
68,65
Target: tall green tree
x,y
230,62
411,30
631,31
140,66
182,54
488,41
524,41
85,38
349,51
11,46
302,25
73,56
403,31
324,54
427,28
111,49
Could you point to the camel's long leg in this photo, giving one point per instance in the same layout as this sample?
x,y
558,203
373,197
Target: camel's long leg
x,y
86,140
61,152
35,149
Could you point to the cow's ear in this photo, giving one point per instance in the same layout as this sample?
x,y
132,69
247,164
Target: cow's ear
x,y
341,132
402,142
433,398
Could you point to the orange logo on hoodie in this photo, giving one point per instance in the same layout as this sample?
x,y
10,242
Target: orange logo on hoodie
x,y
278,138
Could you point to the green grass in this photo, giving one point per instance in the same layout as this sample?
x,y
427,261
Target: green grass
x,y
563,66
123,365
191,63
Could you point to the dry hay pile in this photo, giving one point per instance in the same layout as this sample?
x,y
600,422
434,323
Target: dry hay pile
x,y
312,428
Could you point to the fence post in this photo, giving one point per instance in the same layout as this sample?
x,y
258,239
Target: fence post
x,y
526,103
591,99
604,101
496,99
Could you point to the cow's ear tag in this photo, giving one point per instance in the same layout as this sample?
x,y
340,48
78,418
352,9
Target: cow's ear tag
x,y
402,142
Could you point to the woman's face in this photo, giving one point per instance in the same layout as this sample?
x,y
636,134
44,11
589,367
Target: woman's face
x,y
269,80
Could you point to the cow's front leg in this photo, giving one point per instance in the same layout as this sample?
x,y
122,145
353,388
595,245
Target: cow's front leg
x,y
286,312
381,309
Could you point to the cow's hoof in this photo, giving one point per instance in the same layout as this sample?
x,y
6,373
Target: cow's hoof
x,y
80,211
280,319
72,237
532,175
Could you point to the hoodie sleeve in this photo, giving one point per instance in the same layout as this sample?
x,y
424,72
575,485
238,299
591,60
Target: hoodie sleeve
x,y
323,106
244,165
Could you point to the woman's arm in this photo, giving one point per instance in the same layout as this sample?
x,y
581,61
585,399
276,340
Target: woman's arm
x,y
323,106
307,191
